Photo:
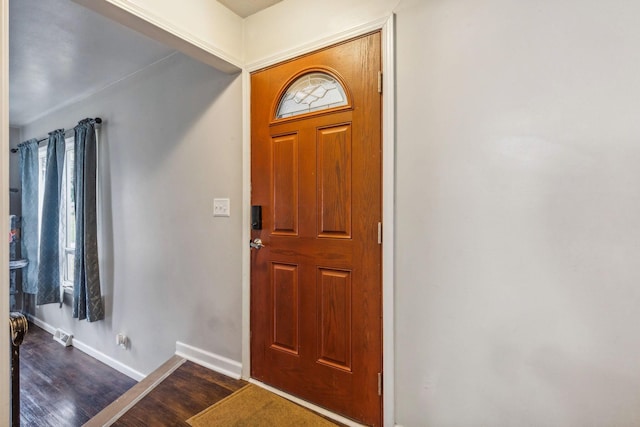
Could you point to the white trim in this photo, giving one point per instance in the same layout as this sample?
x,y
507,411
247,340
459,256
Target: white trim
x,y
107,360
181,33
318,44
41,324
388,215
213,361
308,405
5,396
130,14
150,387
388,204
96,354
246,221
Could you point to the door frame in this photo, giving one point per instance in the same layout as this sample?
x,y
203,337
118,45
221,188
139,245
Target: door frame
x,y
387,27
5,397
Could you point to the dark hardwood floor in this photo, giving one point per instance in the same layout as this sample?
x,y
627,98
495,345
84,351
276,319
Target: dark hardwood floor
x,y
62,386
189,390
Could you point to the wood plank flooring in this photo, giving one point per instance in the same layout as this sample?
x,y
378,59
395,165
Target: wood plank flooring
x,y
62,386
185,392
189,390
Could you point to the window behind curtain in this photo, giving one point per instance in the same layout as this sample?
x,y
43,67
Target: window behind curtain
x,y
67,210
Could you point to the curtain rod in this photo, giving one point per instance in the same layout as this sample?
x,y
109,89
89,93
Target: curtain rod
x,y
97,120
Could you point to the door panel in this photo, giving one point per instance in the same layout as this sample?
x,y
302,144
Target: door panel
x,y
334,326
316,319
284,152
285,307
334,181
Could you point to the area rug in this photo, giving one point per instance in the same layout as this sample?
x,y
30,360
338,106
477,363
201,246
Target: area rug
x,y
256,407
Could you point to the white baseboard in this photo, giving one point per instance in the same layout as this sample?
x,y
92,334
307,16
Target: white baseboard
x,y
47,327
107,360
212,361
98,355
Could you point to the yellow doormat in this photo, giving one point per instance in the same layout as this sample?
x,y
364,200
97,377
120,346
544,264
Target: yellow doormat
x,y
256,407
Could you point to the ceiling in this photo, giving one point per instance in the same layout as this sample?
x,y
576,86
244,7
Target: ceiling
x,y
245,8
61,52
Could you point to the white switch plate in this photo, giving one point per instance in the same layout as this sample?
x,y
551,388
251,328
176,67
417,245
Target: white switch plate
x,y
221,207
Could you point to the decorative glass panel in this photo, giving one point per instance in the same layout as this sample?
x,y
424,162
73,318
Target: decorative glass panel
x,y
311,92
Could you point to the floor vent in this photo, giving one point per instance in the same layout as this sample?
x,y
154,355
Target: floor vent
x,y
63,337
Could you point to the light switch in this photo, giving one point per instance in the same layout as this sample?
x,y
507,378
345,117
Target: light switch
x,y
221,207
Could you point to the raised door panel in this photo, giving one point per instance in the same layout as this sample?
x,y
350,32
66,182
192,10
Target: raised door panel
x,y
285,307
284,175
334,181
334,323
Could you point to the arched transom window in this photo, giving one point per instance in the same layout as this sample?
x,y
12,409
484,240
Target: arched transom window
x,y
311,92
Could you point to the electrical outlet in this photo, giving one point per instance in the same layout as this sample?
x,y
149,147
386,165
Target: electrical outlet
x,y
221,207
122,340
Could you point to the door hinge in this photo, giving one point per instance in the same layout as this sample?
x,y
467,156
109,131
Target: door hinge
x,y
379,233
379,81
379,383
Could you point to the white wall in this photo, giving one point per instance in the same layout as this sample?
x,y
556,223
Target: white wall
x,y
517,206
203,29
171,142
518,198
205,20
291,24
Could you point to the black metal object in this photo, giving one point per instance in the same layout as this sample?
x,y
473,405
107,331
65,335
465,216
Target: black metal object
x,y
18,327
97,121
256,217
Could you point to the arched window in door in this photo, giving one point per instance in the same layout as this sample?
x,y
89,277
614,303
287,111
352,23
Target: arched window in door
x,y
311,92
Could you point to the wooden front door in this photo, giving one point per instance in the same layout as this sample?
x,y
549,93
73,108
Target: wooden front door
x,y
316,288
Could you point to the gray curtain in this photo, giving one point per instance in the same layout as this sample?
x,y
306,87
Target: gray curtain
x,y
29,181
87,299
49,260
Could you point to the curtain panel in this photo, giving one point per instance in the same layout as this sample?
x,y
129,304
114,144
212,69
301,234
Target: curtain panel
x,y
87,298
49,260
29,243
